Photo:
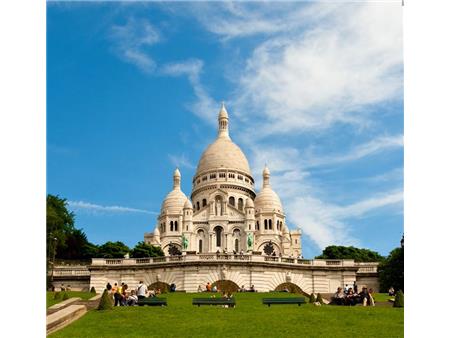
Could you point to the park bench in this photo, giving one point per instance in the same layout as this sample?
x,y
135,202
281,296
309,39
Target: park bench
x,y
269,301
152,301
214,301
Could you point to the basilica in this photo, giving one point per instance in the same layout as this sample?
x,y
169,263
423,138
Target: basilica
x,y
225,212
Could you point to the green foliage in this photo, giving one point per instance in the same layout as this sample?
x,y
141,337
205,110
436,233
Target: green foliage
x,y
312,298
57,295
143,249
93,290
399,299
391,271
113,250
65,296
319,299
350,252
106,302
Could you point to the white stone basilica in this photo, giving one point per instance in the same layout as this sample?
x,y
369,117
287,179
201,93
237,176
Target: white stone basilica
x,y
224,212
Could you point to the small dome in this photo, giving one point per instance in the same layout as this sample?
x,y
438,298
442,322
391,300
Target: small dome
x,y
249,203
268,200
174,202
156,232
187,204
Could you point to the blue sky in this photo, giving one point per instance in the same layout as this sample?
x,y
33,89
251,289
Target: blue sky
x,y
315,90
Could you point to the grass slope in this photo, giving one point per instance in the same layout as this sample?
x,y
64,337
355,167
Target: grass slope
x,y
249,319
82,295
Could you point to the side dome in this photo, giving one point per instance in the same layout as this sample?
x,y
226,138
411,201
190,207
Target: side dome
x,y
187,204
174,201
267,199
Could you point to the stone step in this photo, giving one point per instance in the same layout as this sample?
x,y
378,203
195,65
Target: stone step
x,y
64,303
61,318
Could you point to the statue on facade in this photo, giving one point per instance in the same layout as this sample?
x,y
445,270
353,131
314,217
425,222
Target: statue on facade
x,y
249,240
185,242
218,208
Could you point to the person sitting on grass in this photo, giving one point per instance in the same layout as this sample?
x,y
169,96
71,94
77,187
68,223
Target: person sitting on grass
x,y
242,289
351,298
339,297
214,288
252,288
123,300
151,293
132,299
208,287
364,296
391,291
371,299
199,289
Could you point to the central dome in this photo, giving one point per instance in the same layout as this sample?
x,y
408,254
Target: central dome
x,y
223,152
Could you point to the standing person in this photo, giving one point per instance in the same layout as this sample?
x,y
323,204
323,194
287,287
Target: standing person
x,y
208,287
117,294
355,287
141,290
346,288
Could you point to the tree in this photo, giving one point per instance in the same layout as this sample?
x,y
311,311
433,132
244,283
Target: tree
x,y
350,252
391,271
113,250
399,299
77,246
143,249
60,223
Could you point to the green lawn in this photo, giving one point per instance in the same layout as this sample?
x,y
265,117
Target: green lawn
x,y
249,319
83,295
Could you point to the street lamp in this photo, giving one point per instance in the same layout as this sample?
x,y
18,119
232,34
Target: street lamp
x,y
53,259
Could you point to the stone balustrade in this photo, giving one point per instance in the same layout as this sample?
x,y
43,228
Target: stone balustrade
x,y
221,257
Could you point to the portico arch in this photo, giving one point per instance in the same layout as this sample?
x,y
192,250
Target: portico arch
x,y
290,287
226,285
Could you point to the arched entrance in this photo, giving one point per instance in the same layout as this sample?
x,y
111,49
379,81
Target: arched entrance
x,y
164,287
290,287
226,285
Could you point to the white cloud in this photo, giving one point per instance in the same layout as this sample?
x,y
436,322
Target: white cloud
x,y
322,64
132,39
90,207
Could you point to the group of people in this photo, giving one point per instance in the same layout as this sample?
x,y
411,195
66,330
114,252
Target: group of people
x,y
350,296
213,288
122,296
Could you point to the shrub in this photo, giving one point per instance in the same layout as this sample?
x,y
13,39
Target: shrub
x,y
65,296
312,298
93,290
57,295
399,299
319,299
106,302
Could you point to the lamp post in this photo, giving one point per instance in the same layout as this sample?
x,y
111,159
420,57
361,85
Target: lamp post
x,y
53,260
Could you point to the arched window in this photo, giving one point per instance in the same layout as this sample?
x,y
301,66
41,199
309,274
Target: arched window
x,y
198,205
200,245
218,231
270,224
204,202
171,225
281,225
240,204
231,201
265,224
176,226
257,225
236,245
278,225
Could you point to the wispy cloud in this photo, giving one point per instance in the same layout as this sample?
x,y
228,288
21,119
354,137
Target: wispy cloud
x,y
181,161
377,145
131,41
96,208
205,107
